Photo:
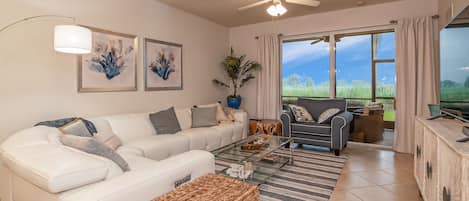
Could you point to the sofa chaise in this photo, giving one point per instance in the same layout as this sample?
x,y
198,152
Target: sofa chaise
x,y
36,166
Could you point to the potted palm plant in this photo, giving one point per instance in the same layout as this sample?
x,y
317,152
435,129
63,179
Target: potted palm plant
x,y
240,71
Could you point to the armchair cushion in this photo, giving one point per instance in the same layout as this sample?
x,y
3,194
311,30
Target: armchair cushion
x,y
311,127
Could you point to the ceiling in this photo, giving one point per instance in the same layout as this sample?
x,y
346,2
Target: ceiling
x,y
225,12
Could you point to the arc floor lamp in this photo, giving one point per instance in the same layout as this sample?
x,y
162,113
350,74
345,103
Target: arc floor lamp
x,y
71,38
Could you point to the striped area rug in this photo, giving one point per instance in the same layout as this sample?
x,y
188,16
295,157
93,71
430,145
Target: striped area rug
x,y
312,176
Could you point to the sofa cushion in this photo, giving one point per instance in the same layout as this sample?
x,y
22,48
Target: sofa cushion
x,y
55,168
158,147
137,163
202,138
311,127
226,133
131,126
184,117
148,183
165,121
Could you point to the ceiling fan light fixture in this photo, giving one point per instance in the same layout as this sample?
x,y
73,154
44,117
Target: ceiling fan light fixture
x,y
276,10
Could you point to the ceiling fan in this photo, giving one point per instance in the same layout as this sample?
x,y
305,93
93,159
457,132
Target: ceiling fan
x,y
276,9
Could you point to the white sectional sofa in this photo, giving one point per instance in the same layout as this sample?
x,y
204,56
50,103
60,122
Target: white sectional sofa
x,y
37,167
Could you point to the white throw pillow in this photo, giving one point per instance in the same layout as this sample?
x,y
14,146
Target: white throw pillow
x,y
131,126
185,118
326,116
300,113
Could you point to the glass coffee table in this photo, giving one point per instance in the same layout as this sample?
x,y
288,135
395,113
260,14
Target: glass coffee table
x,y
266,154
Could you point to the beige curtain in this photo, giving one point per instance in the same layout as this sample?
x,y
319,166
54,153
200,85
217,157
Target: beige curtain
x,y
417,75
268,79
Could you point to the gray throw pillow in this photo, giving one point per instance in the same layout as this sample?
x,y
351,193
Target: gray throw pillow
x,y
165,122
204,117
93,146
327,115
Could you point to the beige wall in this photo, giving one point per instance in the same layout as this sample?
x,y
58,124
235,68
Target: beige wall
x,y
242,38
37,83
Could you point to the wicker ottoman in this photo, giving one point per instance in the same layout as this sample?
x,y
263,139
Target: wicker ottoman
x,y
213,188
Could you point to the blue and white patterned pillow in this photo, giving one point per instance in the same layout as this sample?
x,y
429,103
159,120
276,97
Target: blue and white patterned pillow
x,y
327,115
300,113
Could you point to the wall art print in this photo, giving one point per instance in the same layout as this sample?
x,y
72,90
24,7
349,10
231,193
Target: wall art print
x,y
162,65
111,65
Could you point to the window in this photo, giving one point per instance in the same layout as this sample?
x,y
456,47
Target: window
x,y
306,69
454,83
353,68
364,68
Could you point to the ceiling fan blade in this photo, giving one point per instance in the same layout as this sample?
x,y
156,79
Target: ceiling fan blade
x,y
316,41
254,5
313,3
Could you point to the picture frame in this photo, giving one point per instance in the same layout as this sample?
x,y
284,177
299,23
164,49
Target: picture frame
x,y
163,65
112,64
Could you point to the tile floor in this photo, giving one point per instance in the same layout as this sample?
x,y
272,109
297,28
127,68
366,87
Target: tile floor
x,y
376,175
388,138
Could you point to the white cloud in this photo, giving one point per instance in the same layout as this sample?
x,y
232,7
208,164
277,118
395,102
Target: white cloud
x,y
303,49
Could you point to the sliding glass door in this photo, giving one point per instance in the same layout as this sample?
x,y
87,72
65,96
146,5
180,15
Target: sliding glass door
x,y
353,69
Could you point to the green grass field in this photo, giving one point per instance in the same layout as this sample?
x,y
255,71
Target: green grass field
x,y
454,93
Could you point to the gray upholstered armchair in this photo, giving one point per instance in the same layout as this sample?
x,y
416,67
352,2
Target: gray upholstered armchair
x,y
333,134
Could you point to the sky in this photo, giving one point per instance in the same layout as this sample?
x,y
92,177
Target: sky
x,y
455,54
353,59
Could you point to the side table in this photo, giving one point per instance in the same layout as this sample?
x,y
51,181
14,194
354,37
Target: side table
x,y
265,126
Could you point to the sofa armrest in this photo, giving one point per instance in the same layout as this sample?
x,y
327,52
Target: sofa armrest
x,y
54,168
286,119
340,128
240,116
149,183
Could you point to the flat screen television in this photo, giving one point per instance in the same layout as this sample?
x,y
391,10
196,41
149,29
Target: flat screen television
x,y
454,66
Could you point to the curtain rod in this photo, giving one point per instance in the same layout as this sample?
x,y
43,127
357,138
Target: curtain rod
x,y
395,21
257,37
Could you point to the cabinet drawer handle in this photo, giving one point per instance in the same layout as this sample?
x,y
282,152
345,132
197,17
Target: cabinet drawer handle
x,y
419,151
446,194
429,170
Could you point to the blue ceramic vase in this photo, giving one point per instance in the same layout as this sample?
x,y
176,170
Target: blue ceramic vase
x,y
233,102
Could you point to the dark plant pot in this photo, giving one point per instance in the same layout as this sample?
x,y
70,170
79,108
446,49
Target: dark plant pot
x,y
233,102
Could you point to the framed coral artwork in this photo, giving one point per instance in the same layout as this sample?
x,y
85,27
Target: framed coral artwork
x,y
162,65
111,65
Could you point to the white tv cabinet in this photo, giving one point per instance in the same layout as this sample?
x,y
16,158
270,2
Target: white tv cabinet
x,y
441,165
